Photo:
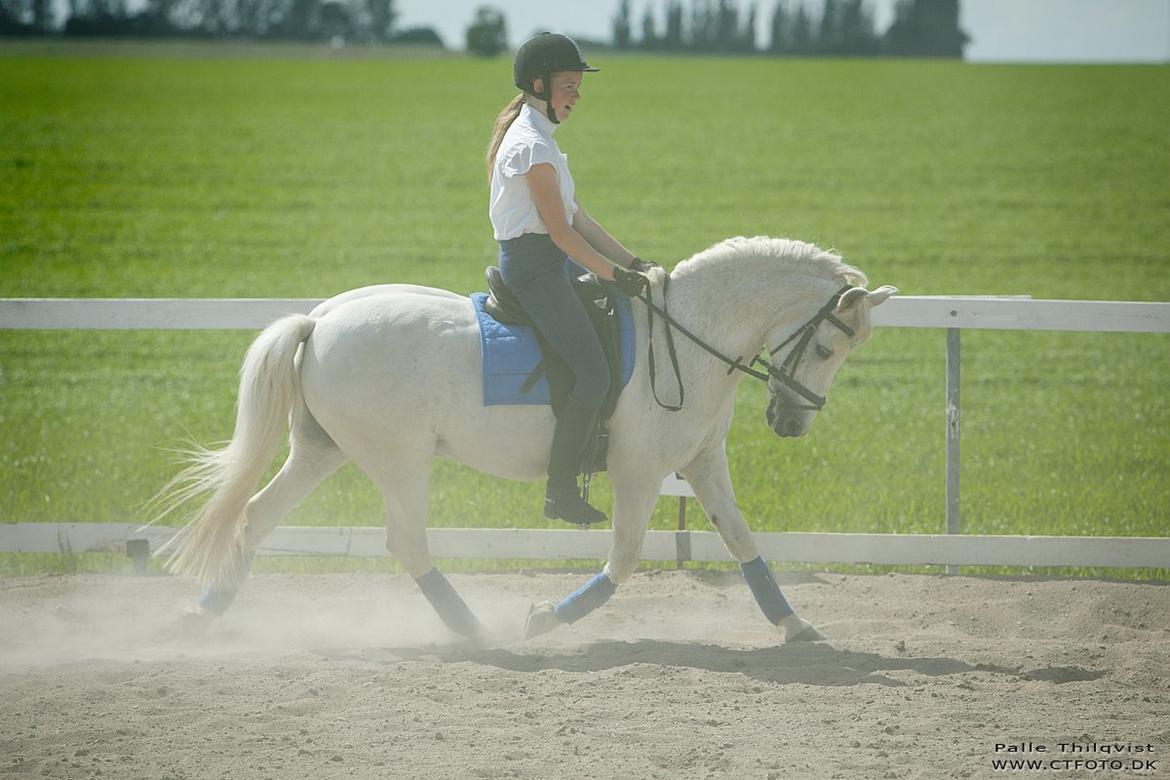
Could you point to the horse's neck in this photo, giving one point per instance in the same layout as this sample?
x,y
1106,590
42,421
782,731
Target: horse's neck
x,y
733,306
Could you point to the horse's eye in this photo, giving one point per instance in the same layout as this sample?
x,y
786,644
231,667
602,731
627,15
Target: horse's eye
x,y
823,352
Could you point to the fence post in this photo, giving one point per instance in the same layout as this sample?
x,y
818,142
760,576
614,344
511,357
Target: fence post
x,y
138,551
953,411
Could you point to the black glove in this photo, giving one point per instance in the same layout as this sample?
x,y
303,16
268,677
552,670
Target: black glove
x,y
642,266
631,283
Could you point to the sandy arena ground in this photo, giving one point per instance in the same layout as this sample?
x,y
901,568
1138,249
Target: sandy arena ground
x,y
326,676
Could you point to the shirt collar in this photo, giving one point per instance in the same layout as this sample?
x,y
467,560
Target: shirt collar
x,y
542,122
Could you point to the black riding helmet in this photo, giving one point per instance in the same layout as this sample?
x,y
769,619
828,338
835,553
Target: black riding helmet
x,y
543,55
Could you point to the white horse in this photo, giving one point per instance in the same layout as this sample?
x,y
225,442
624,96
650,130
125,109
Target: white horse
x,y
389,377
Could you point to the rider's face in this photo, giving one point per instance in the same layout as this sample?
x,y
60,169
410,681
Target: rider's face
x,y
566,91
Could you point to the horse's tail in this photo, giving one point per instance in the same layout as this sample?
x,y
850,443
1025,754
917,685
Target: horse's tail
x,y
269,386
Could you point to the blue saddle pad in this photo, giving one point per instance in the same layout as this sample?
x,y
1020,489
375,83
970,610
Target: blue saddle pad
x,y
511,352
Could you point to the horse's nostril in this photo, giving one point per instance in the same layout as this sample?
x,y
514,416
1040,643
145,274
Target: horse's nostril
x,y
792,428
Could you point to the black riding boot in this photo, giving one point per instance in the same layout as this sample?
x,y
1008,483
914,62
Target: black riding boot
x,y
562,499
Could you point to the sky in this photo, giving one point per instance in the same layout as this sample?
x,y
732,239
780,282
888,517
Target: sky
x,y
1001,30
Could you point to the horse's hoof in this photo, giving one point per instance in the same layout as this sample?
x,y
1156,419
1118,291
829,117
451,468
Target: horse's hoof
x,y
797,629
542,618
194,622
810,634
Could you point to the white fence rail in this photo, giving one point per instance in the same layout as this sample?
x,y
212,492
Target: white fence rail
x,y
528,544
907,311
952,313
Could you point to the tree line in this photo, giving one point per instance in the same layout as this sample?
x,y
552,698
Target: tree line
x,y
793,27
349,20
840,28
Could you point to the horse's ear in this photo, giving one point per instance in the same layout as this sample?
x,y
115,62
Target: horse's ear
x,y
850,298
881,294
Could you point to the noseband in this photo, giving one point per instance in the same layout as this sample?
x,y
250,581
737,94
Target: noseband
x,y
785,374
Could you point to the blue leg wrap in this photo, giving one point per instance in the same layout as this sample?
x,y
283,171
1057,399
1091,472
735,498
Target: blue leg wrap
x,y
217,601
219,597
451,608
765,589
585,599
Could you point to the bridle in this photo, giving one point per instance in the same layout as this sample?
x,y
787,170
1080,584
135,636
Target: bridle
x,y
803,335
785,373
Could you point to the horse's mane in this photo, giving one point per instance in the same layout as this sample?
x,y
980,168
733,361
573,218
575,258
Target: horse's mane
x,y
792,255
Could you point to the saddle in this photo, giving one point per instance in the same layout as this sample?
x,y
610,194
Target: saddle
x,y
505,308
501,305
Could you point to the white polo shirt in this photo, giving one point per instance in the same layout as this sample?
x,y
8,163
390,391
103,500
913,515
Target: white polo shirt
x,y
529,141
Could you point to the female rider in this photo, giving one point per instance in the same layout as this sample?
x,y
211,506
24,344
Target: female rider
x,y
538,222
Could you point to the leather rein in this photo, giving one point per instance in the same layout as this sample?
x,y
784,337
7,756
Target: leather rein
x,y
785,373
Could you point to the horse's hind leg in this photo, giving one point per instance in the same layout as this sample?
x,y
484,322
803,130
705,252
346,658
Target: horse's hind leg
x,y
312,457
404,487
708,474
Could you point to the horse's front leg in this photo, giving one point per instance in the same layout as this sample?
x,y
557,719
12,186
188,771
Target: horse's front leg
x,y
634,499
710,477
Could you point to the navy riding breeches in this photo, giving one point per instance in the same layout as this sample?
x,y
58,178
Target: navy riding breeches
x,y
536,271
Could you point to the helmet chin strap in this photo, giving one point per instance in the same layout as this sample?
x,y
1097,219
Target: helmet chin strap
x,y
546,96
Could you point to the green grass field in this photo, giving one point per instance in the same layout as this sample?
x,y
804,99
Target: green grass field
x,y
149,175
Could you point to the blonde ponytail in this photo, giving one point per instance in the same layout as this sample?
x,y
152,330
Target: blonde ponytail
x,y
503,122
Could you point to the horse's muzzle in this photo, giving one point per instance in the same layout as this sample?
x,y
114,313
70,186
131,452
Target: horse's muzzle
x,y
784,420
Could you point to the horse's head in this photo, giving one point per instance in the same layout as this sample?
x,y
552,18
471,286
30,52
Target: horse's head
x,y
807,359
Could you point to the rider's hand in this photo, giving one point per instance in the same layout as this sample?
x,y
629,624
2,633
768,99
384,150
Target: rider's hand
x,y
631,283
642,266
